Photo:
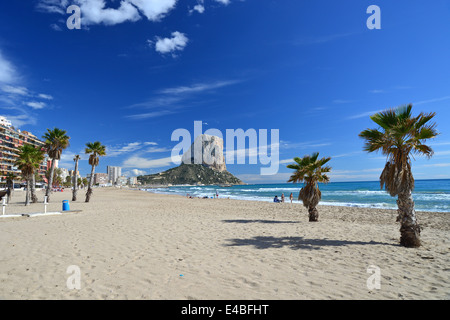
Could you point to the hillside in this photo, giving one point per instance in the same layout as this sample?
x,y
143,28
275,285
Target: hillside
x,y
190,174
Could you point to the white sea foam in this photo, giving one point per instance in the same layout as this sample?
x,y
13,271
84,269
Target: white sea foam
x,y
360,197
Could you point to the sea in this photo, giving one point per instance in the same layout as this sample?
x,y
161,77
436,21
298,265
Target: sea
x,y
429,195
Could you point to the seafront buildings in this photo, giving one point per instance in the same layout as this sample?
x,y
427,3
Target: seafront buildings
x,y
113,174
100,179
10,141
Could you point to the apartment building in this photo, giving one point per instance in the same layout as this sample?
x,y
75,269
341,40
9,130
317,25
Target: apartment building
x,y
10,141
100,178
113,173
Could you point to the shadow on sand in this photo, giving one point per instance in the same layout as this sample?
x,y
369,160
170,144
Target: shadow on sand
x,y
257,221
296,243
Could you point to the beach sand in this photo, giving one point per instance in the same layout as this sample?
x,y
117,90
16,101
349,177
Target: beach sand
x,y
131,244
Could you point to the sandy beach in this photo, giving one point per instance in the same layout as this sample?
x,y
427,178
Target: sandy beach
x,y
131,244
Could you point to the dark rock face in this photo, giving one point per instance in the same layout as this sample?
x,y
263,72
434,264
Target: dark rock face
x,y
190,174
206,150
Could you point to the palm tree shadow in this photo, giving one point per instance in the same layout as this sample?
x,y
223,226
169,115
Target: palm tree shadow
x,y
257,221
296,243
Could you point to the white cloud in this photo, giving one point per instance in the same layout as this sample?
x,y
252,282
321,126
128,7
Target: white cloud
x,y
134,173
290,161
115,151
36,105
348,154
442,153
314,40
437,165
55,27
143,163
131,147
21,120
199,8
225,2
198,87
157,150
15,90
286,145
95,11
45,96
431,100
364,114
167,45
156,9
67,156
173,100
342,101
149,115
53,6
12,95
8,73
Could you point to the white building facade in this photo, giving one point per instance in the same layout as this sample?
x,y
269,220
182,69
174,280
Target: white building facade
x,y
113,173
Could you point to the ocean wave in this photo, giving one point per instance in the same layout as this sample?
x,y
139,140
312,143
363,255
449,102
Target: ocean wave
x,y
381,205
425,200
275,190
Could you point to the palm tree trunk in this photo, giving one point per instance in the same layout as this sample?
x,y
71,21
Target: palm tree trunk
x,y
91,182
50,181
313,214
75,182
27,192
34,198
409,229
11,186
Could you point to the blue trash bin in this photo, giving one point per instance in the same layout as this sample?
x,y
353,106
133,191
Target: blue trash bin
x,y
65,206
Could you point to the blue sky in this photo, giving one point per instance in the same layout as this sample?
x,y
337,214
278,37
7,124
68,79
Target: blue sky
x,y
137,70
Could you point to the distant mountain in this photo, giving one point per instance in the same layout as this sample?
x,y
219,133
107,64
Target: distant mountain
x,y
202,163
190,174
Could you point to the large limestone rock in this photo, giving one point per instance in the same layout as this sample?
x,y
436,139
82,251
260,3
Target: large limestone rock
x,y
206,150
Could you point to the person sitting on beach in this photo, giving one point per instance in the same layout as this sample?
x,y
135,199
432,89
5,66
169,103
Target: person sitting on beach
x,y
276,199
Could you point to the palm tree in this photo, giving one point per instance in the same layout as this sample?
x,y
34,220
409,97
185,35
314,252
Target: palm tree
x,y
311,171
56,141
75,180
399,135
95,150
28,161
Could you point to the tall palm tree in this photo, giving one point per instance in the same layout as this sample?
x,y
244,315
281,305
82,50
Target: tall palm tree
x,y
75,180
56,141
399,135
34,198
311,171
28,161
95,151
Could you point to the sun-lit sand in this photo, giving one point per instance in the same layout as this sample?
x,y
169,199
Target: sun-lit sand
x,y
130,244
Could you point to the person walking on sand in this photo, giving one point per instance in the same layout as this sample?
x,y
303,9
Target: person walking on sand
x,y
291,197
282,197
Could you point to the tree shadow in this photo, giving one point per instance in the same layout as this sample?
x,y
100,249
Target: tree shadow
x,y
296,243
257,221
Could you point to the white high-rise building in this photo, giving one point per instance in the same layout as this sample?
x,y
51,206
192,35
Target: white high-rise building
x,y
5,122
113,173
